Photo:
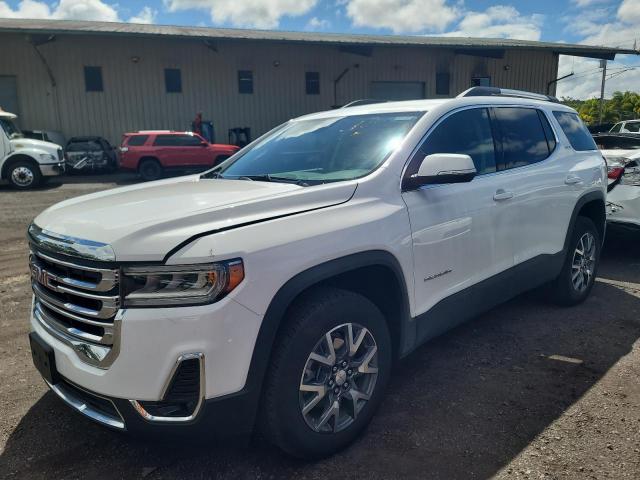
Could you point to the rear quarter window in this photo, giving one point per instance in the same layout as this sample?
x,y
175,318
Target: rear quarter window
x,y
578,135
137,140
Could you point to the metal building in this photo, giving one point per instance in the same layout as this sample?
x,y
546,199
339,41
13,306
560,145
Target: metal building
x,y
93,78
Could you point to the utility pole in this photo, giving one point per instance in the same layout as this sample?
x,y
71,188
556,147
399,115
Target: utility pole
x,y
603,65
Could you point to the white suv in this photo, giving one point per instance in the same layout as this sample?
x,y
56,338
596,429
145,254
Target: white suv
x,y
284,283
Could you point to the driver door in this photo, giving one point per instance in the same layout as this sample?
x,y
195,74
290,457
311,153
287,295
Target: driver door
x,y
457,232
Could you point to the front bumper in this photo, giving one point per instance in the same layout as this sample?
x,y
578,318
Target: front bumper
x,y
228,416
151,340
52,169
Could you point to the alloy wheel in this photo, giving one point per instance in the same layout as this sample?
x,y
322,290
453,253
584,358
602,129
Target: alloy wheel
x,y
584,261
22,176
339,378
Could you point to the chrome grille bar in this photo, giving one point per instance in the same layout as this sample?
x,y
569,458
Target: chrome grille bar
x,y
106,339
109,307
108,277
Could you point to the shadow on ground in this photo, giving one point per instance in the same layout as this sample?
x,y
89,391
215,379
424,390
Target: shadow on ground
x,y
463,406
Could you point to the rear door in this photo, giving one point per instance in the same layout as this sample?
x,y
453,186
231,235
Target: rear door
x,y
534,175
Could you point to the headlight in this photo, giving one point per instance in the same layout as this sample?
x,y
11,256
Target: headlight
x,y
168,286
48,157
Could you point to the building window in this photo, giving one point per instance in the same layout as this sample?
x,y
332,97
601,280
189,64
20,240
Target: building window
x,y
173,80
481,82
312,83
93,79
245,81
442,83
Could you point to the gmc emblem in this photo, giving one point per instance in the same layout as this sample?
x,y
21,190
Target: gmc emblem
x,y
39,274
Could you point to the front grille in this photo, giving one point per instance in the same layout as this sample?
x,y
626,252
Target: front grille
x,y
74,299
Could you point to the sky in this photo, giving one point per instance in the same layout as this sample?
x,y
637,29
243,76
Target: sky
x,y
595,22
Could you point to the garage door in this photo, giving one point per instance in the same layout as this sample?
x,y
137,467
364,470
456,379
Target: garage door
x,y
397,90
9,94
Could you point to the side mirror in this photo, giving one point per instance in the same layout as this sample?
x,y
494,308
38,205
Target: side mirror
x,y
204,144
444,168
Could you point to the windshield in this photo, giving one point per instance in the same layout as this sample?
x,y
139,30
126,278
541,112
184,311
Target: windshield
x,y
10,128
323,150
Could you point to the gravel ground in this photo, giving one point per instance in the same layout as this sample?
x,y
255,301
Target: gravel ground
x,y
528,390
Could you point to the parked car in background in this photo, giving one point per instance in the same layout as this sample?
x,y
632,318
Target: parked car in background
x,y
46,136
90,153
627,126
279,288
600,127
25,162
153,152
623,196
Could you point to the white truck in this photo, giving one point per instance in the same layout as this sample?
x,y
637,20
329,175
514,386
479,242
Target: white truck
x,y
279,287
26,162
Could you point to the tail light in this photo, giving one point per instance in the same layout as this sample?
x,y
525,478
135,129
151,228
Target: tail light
x,y
614,172
124,149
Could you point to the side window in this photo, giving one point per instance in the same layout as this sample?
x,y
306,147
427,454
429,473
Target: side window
x,y
137,140
245,81
466,132
172,80
578,135
548,131
633,127
523,137
187,140
165,141
616,128
312,83
93,79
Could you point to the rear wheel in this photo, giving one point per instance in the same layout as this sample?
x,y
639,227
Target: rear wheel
x,y
150,169
576,280
328,373
24,174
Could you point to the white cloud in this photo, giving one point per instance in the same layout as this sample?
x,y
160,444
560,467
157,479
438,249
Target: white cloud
x,y
402,16
602,26
85,10
587,3
318,24
25,9
146,15
246,13
501,21
64,10
629,11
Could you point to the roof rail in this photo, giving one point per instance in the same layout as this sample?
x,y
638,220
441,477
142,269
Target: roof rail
x,y
364,101
506,92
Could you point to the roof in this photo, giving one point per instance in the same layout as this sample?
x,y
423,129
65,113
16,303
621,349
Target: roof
x,y
460,43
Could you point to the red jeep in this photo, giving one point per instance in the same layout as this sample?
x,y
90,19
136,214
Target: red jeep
x,y
152,152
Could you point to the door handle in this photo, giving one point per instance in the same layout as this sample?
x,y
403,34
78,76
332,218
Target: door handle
x,y
572,180
502,195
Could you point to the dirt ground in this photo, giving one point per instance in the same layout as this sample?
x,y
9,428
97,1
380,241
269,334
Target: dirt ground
x,y
528,390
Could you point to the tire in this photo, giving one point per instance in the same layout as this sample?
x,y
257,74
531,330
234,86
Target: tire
x,y
318,313
578,274
150,169
24,174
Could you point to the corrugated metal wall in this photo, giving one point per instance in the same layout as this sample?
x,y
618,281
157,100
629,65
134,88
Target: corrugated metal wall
x,y
134,96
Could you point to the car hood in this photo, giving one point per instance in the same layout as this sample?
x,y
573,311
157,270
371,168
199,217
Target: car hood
x,y
144,222
24,143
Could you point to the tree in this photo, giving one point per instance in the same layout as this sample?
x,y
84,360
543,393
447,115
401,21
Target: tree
x,y
621,106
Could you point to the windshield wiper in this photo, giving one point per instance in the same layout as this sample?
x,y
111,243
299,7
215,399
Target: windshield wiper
x,y
271,178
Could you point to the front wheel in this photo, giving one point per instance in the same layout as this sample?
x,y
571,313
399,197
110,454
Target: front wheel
x,y
578,274
24,175
328,374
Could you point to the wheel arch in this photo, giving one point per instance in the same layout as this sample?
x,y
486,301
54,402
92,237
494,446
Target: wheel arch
x,y
369,266
16,157
144,158
592,206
